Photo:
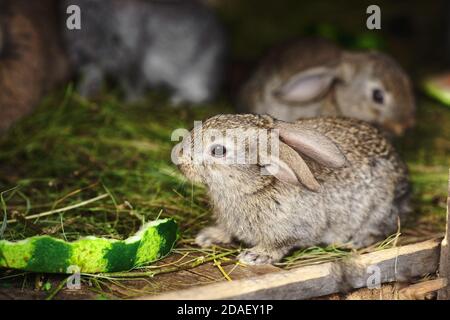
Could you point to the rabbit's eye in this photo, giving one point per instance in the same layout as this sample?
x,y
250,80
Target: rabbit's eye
x,y
378,96
218,151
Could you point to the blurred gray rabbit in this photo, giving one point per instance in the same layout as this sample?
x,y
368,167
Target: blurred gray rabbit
x,y
141,44
313,77
334,181
32,59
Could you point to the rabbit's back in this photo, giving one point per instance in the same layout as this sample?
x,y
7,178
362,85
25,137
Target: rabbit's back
x,y
358,140
287,59
277,67
361,202
366,149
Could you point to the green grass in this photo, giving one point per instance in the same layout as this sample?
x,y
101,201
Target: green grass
x,y
427,152
71,151
76,150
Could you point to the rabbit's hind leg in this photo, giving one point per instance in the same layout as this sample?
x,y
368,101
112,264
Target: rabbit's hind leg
x,y
91,80
133,87
375,230
385,219
402,200
191,89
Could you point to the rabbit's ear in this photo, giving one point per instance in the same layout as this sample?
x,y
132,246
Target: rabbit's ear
x,y
307,85
290,167
312,144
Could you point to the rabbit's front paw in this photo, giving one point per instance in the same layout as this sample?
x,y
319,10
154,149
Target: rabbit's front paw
x,y
212,235
255,256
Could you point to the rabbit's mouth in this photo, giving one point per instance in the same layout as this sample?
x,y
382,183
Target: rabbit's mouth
x,y
190,173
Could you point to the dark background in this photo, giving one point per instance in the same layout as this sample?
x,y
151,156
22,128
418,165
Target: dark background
x,y
414,32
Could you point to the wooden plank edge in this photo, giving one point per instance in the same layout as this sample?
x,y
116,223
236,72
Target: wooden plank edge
x,y
421,290
444,262
395,264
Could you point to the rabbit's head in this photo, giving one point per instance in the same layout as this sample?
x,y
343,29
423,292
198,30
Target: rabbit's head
x,y
374,87
369,86
248,152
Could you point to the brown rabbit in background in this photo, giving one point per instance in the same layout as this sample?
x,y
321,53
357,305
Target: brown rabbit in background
x,y
314,77
335,181
32,60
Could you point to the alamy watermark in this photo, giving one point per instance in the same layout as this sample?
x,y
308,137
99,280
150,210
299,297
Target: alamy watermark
x,y
374,20
74,280
73,21
374,279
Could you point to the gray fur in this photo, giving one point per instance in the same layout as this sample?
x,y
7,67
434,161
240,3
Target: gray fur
x,y
330,82
355,205
142,44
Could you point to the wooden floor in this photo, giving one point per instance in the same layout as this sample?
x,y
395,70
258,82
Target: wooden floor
x,y
404,264
201,275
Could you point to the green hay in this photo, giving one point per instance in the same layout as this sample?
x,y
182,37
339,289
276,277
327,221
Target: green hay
x,y
66,154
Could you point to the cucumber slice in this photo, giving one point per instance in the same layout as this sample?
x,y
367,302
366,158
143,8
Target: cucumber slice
x,y
91,254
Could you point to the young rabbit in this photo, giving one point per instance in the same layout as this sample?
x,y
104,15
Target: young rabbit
x,y
145,44
313,77
32,60
334,181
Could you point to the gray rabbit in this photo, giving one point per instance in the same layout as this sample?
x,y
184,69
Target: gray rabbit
x,y
313,77
334,181
141,44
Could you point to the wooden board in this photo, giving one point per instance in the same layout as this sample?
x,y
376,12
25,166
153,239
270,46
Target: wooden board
x,y
208,273
422,290
444,263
